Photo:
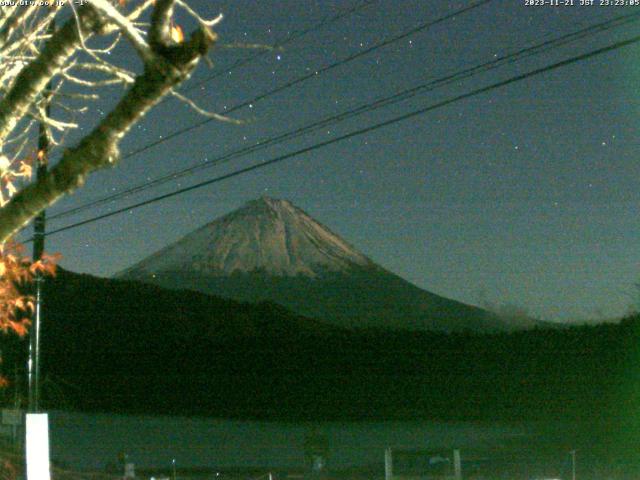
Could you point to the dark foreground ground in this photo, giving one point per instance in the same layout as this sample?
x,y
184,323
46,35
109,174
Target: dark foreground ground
x,y
116,347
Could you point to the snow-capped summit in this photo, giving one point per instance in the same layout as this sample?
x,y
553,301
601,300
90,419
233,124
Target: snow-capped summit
x,y
266,235
271,250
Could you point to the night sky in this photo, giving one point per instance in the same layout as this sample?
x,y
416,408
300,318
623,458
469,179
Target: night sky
x,y
525,195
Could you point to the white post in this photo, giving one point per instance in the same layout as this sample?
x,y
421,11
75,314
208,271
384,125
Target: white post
x,y
129,470
573,464
37,448
457,465
388,464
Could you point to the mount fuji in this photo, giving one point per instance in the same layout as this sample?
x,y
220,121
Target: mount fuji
x,y
271,250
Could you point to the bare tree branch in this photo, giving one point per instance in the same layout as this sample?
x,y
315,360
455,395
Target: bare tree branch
x,y
125,25
160,31
170,65
202,111
33,78
14,21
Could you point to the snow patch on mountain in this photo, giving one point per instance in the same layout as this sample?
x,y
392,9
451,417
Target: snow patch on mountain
x,y
266,235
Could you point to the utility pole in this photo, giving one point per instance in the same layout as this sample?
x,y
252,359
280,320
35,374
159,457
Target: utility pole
x,y
457,465
573,464
42,163
36,423
42,160
388,464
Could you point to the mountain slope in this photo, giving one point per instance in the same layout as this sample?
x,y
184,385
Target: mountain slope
x,y
120,346
271,250
266,235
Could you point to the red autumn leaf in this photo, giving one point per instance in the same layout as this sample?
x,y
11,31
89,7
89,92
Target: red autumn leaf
x,y
20,328
17,271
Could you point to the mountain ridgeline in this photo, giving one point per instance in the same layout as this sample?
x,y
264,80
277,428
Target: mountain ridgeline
x,y
129,347
352,341
270,250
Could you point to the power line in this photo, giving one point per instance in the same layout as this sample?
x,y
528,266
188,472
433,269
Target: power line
x,y
295,35
279,44
313,74
359,132
298,80
290,38
380,103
